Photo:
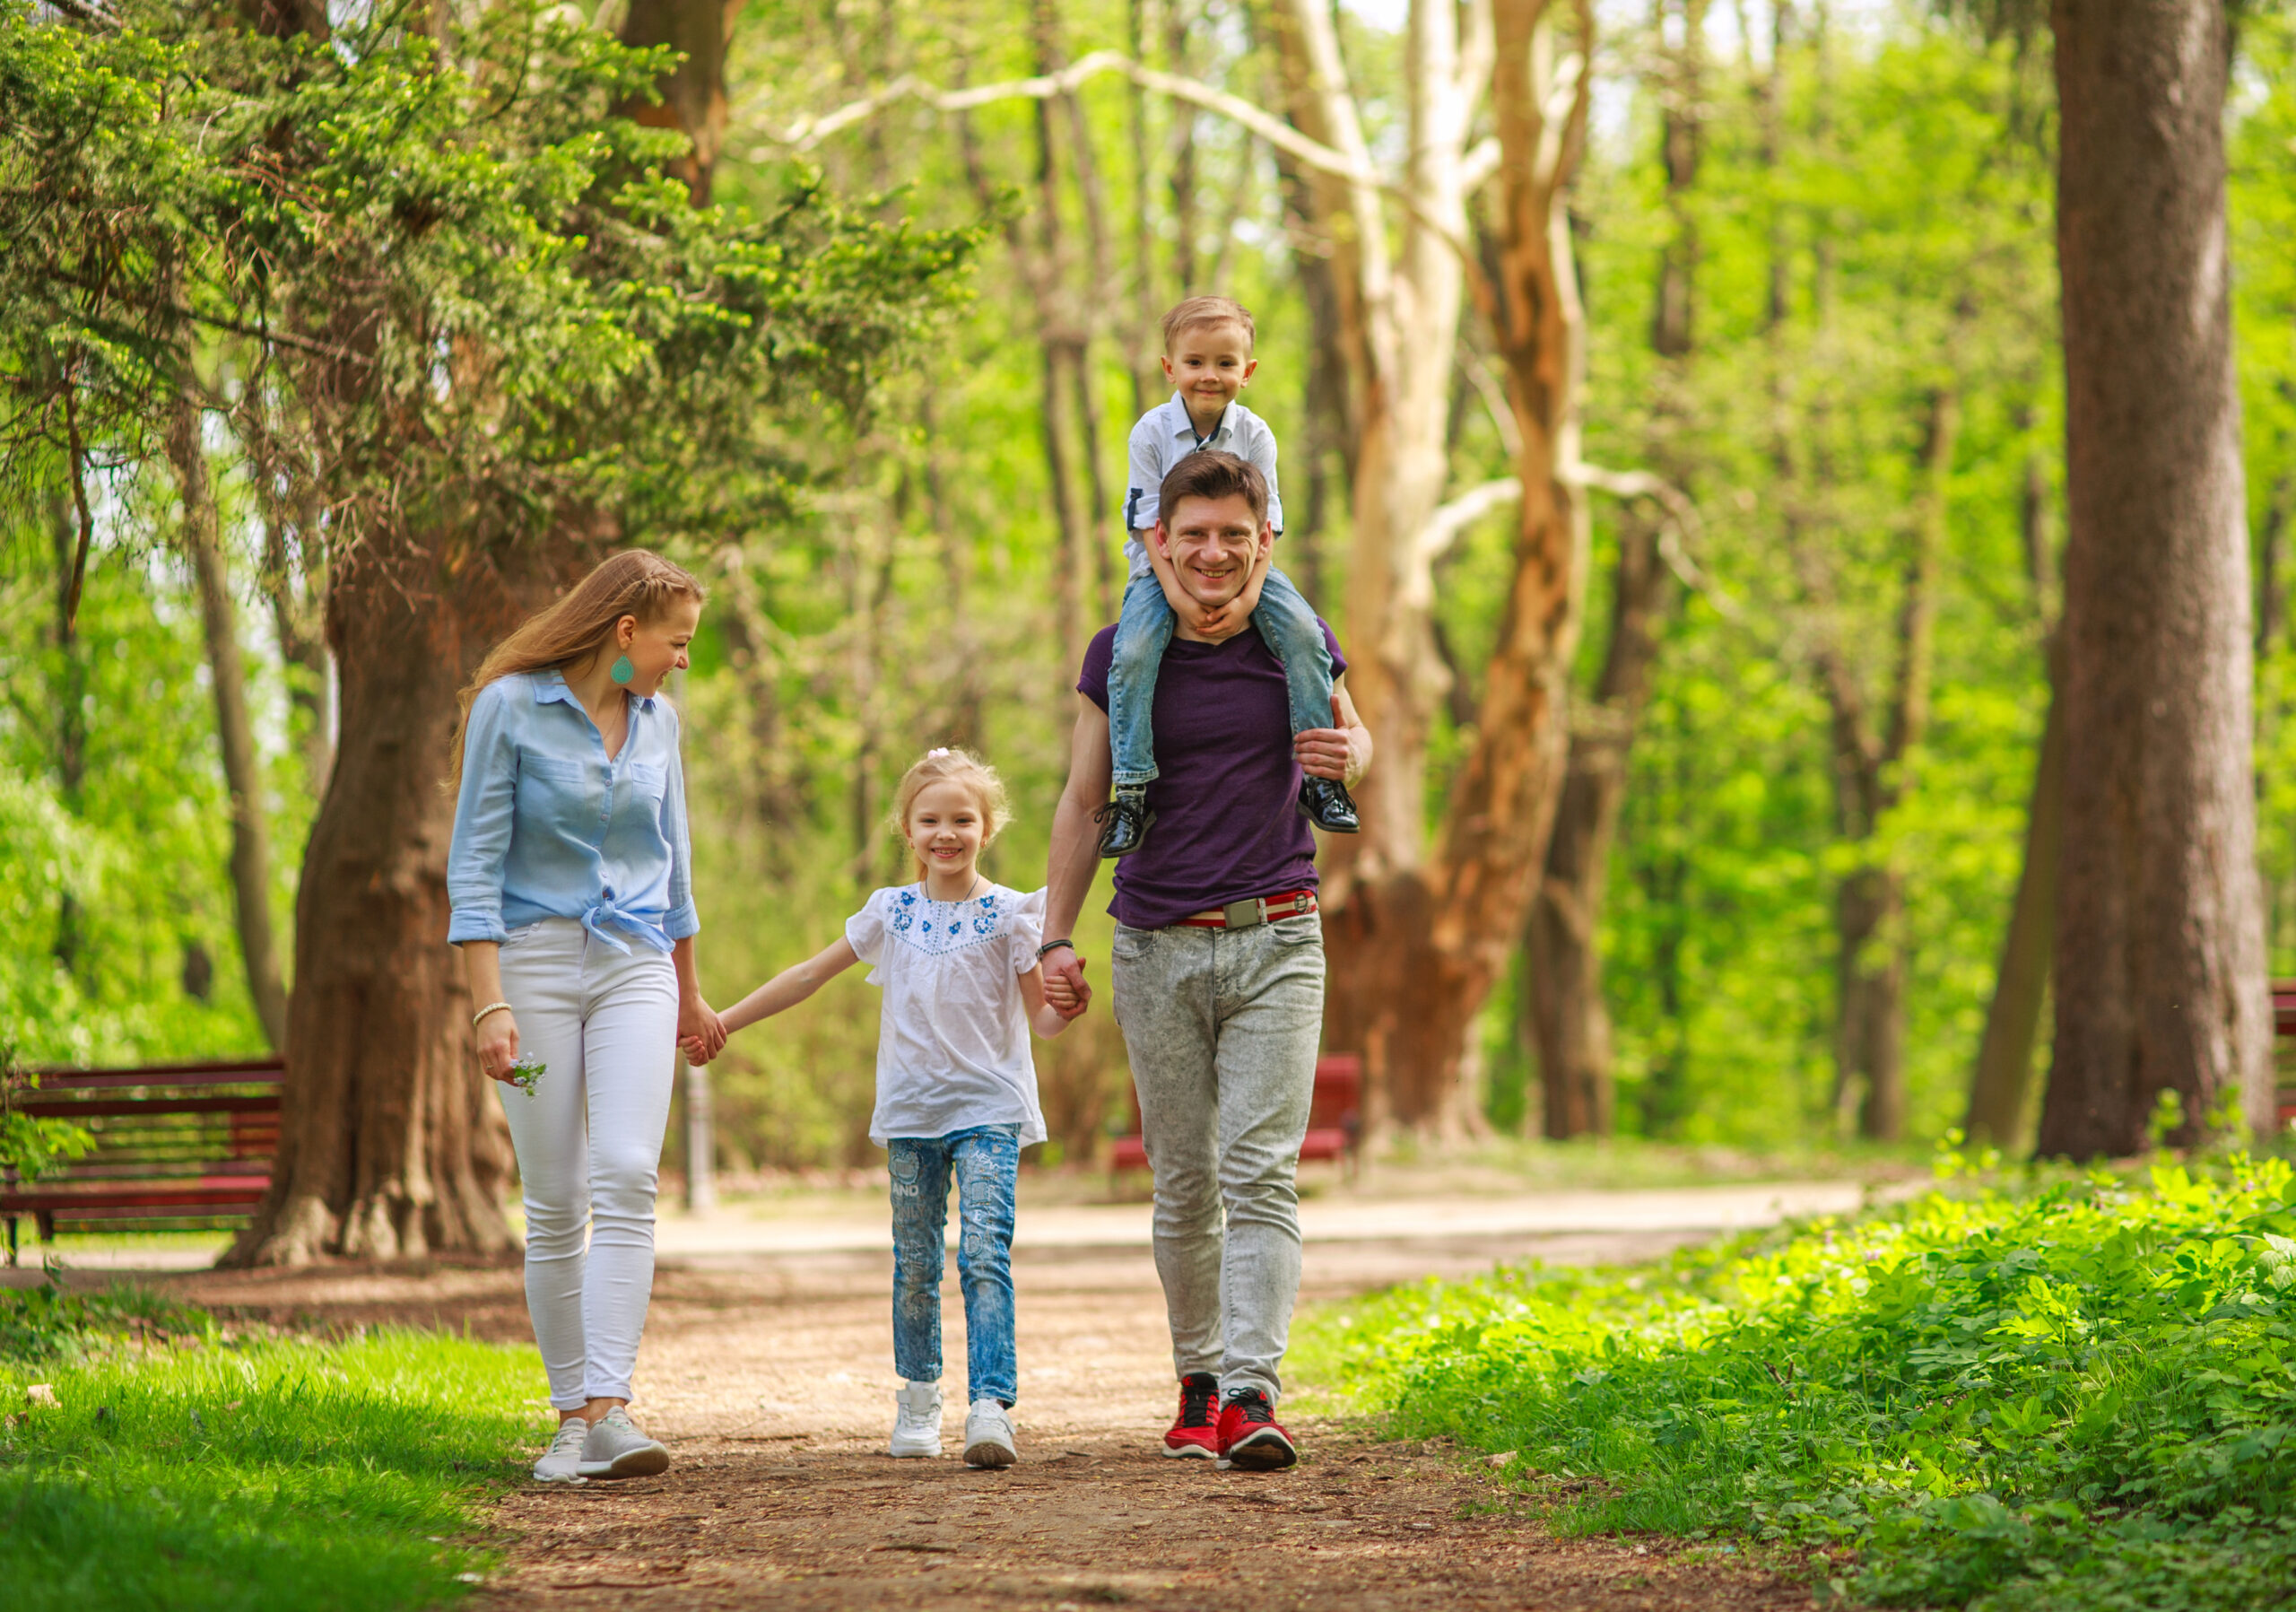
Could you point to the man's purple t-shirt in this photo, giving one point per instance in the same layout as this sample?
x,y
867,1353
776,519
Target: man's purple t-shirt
x,y
1226,797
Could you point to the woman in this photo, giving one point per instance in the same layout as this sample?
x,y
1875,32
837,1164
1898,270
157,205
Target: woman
x,y
572,885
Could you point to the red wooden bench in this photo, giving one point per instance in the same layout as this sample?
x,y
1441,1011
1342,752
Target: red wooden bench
x,y
178,1146
1334,1117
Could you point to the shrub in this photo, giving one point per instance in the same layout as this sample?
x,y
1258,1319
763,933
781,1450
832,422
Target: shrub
x,y
2083,1397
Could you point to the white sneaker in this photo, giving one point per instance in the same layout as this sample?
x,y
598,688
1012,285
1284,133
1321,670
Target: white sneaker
x,y
562,1462
917,1422
988,1435
617,1448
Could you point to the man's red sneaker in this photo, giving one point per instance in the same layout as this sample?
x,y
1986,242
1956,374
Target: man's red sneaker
x,y
1250,1437
1196,1433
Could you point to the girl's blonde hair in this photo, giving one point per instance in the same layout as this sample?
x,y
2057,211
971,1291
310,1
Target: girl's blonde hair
x,y
633,582
949,765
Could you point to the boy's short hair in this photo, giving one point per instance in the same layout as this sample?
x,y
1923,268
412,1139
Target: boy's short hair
x,y
1210,472
1208,311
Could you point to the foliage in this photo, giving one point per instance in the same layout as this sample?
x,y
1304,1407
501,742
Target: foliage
x,y
53,1322
276,1475
2081,1395
32,1145
548,333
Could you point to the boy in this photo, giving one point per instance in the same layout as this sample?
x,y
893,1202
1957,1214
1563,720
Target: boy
x,y
1208,358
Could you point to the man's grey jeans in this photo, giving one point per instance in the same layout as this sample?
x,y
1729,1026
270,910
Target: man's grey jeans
x,y
1222,1027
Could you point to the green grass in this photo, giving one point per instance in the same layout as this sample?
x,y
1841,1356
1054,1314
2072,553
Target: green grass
x,y
179,1471
2077,1395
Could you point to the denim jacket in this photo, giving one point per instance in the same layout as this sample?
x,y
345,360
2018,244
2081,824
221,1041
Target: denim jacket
x,y
547,827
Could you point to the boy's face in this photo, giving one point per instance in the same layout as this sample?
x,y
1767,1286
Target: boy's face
x,y
1210,365
1213,544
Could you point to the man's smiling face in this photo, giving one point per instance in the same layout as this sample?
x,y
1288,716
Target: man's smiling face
x,y
1213,544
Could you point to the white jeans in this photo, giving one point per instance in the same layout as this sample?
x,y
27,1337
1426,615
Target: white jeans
x,y
589,1144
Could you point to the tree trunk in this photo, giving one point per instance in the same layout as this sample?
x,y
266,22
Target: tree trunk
x,y
391,1145
1571,1025
2005,1059
66,513
1568,1021
2160,969
1448,924
693,93
242,767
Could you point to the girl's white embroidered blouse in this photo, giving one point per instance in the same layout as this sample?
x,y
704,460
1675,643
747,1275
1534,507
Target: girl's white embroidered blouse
x,y
953,1051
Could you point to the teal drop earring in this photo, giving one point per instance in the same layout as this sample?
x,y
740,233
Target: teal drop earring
x,y
622,671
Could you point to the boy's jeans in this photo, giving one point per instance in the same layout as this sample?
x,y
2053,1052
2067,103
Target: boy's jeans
x,y
987,1161
1284,619
1222,1027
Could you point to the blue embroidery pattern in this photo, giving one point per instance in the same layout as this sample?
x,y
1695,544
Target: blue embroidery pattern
x,y
938,927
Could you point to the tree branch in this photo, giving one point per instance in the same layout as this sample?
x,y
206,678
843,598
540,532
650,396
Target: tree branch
x,y
807,133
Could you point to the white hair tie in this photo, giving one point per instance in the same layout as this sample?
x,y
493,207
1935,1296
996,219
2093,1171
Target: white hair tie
x,y
940,750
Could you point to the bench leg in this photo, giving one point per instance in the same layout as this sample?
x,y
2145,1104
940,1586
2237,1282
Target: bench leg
x,y
46,1219
12,1242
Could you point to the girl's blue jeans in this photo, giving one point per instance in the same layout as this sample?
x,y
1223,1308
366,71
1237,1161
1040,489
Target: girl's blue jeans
x,y
986,1163
1285,620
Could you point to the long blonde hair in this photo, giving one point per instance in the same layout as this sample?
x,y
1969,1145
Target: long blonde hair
x,y
633,582
951,765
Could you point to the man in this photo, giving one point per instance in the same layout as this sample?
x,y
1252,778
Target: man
x,y
1219,963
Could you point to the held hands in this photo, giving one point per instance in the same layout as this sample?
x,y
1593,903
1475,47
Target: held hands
x,y
1065,990
699,1032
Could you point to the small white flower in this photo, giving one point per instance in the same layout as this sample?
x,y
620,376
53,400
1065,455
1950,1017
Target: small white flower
x,y
41,1393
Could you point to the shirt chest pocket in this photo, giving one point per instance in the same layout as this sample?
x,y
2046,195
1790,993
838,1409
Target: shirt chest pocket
x,y
646,783
557,789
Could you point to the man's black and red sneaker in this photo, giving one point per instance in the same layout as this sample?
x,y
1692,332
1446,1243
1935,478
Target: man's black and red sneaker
x,y
1197,1432
1250,1437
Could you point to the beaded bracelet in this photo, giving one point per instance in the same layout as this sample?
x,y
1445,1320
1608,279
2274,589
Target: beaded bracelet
x,y
1054,945
490,1008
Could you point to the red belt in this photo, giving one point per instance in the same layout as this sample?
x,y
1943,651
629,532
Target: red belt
x,y
1259,909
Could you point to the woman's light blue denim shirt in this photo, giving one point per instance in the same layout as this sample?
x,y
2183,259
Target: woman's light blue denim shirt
x,y
548,827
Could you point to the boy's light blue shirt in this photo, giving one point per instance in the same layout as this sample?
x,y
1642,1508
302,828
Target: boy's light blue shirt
x,y
1165,436
547,826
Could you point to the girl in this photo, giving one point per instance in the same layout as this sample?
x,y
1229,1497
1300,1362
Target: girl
x,y
573,903
956,1091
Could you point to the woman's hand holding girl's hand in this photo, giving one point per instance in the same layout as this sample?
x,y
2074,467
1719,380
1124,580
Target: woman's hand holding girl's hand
x,y
498,1044
699,1030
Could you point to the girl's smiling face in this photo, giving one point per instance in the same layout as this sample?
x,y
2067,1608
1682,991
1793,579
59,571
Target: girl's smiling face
x,y
947,828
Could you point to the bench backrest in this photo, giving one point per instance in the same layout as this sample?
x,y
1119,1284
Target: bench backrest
x,y
176,1143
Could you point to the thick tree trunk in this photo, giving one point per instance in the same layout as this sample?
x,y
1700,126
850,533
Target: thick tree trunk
x,y
391,1145
2160,971
2005,1057
242,767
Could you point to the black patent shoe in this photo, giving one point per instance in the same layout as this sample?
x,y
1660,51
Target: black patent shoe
x,y
1324,802
1124,823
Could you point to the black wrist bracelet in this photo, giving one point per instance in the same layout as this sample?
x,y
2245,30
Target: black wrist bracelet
x,y
1054,945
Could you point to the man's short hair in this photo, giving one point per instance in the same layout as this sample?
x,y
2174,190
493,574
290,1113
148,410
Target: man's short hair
x,y
1209,473
1197,311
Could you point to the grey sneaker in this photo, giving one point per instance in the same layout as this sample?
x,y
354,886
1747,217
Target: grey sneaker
x,y
917,1422
988,1435
617,1448
562,1462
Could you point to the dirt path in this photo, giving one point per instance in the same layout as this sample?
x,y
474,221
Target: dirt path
x,y
770,1376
